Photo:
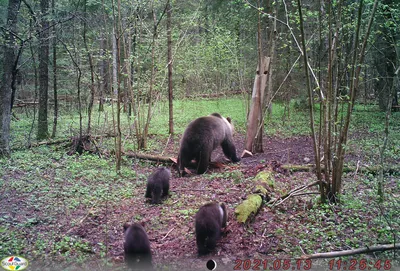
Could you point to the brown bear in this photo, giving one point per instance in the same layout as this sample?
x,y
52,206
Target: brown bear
x,y
201,137
158,185
208,223
137,247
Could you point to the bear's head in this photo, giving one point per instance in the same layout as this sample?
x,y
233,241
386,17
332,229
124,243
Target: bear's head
x,y
227,120
229,123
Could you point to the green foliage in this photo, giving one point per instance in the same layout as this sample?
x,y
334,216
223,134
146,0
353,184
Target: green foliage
x,y
12,242
235,175
69,244
265,177
187,213
59,185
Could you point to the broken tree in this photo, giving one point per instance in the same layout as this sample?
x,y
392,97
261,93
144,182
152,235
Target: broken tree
x,y
255,120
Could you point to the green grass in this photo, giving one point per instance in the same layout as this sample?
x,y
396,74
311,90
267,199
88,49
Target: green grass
x,y
366,130
366,118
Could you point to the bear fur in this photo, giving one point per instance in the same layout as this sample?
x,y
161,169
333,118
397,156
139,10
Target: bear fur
x,y
201,137
208,223
158,185
137,247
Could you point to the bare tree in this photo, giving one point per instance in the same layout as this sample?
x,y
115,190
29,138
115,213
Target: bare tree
x,y
259,99
43,131
170,90
116,80
334,136
92,90
7,77
54,72
385,58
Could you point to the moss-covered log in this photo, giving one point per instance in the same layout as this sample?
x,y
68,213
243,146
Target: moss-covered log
x,y
263,182
248,207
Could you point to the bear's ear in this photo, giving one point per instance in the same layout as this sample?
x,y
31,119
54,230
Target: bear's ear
x,y
229,119
216,115
126,226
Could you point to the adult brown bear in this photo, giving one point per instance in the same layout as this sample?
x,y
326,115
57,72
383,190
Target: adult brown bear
x,y
201,137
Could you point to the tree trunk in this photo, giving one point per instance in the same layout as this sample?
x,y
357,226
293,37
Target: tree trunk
x,y
355,76
170,91
143,141
386,59
92,91
310,104
6,80
116,81
43,132
54,73
255,121
102,71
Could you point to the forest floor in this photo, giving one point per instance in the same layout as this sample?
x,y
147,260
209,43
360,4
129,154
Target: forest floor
x,y
296,227
66,212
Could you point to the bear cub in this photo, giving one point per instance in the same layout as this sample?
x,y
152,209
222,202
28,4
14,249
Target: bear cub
x,y
209,220
158,185
137,247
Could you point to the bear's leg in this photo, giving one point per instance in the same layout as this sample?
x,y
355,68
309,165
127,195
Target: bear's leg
x,y
184,159
165,189
230,150
203,161
148,190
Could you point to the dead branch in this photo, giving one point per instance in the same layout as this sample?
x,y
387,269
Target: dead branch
x,y
342,253
60,141
49,142
168,233
24,104
166,145
305,194
346,168
291,193
80,221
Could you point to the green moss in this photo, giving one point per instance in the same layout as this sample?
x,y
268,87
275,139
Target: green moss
x,y
248,207
260,190
266,177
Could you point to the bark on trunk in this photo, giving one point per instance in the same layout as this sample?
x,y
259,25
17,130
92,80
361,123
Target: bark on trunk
x,y
170,91
255,121
6,81
43,131
54,75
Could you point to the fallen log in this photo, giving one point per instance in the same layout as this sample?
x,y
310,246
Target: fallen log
x,y
59,141
263,182
342,253
24,104
48,142
150,157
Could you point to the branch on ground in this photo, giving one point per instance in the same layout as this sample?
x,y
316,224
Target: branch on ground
x,y
342,253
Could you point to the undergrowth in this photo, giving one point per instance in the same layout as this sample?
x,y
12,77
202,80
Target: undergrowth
x,y
45,193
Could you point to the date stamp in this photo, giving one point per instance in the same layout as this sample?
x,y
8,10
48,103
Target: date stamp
x,y
278,264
